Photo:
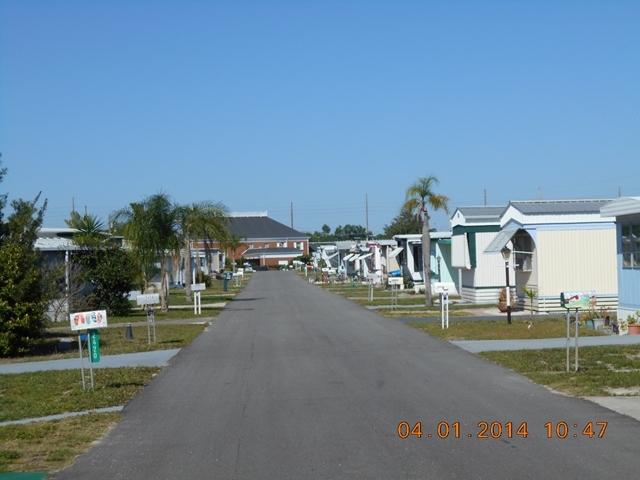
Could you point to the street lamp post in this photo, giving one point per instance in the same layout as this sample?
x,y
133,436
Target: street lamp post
x,y
506,253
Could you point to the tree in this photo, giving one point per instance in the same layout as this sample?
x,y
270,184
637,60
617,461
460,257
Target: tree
x,y
204,220
105,269
419,196
90,230
348,232
532,294
355,232
233,243
405,223
151,227
24,296
110,270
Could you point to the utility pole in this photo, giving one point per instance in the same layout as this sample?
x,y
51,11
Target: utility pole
x,y
366,201
485,197
291,214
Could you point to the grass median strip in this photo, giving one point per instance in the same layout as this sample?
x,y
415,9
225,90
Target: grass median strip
x,y
603,371
38,394
174,314
50,446
501,330
114,342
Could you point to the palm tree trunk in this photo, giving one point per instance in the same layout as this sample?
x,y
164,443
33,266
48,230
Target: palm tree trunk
x,y
426,261
198,267
187,269
164,286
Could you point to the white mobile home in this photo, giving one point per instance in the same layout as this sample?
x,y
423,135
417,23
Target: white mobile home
x,y
409,257
480,277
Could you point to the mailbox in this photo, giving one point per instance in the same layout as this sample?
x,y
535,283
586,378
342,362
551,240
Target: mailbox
x,y
578,299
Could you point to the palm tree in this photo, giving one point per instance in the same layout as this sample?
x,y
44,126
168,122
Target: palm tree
x,y
419,196
233,243
90,231
151,228
531,293
203,220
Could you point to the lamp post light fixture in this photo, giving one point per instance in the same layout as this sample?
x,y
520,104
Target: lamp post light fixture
x,y
506,253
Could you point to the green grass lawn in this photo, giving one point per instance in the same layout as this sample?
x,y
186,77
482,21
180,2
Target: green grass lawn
x,y
38,394
501,330
51,446
173,314
602,370
113,341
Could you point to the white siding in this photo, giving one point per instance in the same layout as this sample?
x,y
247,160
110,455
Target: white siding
x,y
460,252
490,270
484,296
570,260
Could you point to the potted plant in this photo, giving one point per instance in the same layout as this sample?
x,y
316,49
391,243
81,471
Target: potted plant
x,y
502,301
589,317
634,324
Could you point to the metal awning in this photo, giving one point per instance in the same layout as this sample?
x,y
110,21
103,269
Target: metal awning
x,y
501,240
395,252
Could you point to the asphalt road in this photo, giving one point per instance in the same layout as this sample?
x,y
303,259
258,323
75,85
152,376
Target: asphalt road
x,y
291,381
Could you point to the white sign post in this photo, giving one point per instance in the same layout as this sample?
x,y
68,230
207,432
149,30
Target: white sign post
x,y
197,300
444,303
149,299
394,282
84,321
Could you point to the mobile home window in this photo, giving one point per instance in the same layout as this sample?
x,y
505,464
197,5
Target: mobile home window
x,y
631,245
523,250
417,258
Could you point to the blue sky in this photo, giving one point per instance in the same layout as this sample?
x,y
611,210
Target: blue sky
x,y
260,104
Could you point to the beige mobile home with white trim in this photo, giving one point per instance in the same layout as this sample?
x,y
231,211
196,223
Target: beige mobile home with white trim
x,y
559,245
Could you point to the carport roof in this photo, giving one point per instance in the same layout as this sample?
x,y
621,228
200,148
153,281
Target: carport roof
x,y
501,240
621,206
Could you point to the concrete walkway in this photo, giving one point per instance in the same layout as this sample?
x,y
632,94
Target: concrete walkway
x,y
475,346
156,358
61,416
